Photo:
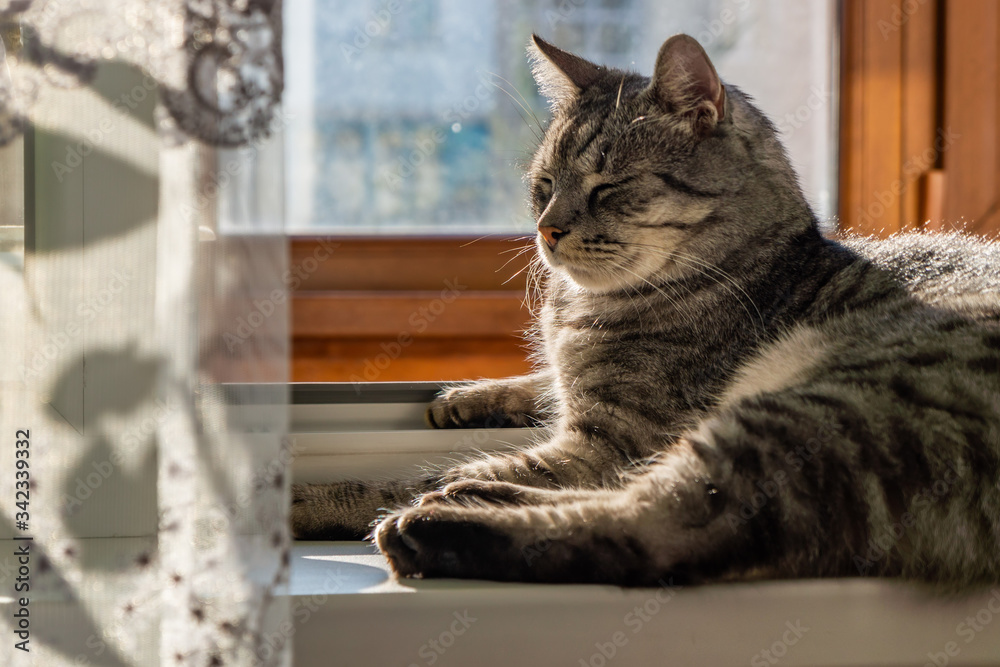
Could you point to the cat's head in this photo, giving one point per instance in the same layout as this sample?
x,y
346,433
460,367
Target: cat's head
x,y
638,179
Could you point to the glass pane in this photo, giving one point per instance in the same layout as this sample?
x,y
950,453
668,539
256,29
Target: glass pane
x,y
415,117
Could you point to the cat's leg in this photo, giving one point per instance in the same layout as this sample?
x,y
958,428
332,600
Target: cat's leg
x,y
501,492
517,401
673,523
830,482
349,510
594,450
574,457
640,534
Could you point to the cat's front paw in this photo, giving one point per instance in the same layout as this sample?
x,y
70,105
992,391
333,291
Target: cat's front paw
x,y
435,542
516,543
489,404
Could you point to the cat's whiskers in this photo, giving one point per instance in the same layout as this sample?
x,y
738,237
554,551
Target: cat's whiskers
x,y
672,300
626,287
519,250
703,267
533,289
524,106
676,300
632,261
661,252
728,284
732,283
486,236
519,271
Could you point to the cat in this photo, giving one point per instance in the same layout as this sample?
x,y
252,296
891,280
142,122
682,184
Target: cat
x,y
728,394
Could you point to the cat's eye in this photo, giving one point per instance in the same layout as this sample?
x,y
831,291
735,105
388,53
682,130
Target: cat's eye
x,y
543,190
598,193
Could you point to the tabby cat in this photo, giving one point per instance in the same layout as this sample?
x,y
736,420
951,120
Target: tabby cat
x,y
728,393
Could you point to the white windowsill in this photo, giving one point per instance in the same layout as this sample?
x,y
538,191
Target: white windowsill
x,y
346,604
348,609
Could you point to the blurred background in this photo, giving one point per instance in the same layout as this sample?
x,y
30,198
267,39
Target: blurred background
x,y
415,121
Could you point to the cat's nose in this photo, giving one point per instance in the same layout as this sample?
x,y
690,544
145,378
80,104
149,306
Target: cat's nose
x,y
551,235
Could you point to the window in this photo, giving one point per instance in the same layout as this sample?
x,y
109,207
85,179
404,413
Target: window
x,y
408,125
412,117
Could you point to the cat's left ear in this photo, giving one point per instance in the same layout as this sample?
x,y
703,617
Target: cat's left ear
x,y
560,75
685,83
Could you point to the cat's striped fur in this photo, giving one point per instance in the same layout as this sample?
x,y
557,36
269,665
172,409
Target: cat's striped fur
x,y
730,393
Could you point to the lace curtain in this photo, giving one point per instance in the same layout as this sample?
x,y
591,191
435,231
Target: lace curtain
x,y
144,334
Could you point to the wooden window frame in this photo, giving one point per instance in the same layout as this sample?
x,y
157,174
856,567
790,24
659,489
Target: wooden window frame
x,y
407,309
920,112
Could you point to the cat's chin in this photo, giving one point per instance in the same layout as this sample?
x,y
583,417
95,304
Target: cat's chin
x,y
598,282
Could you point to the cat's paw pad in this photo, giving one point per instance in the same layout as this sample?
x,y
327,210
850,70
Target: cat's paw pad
x,y
430,543
417,544
401,554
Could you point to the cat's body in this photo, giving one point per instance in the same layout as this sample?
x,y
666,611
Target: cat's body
x,y
730,394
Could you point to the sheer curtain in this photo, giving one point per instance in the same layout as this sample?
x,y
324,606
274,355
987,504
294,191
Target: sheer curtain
x,y
144,334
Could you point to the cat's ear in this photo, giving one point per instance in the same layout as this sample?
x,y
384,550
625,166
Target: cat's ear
x,y
685,83
560,75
